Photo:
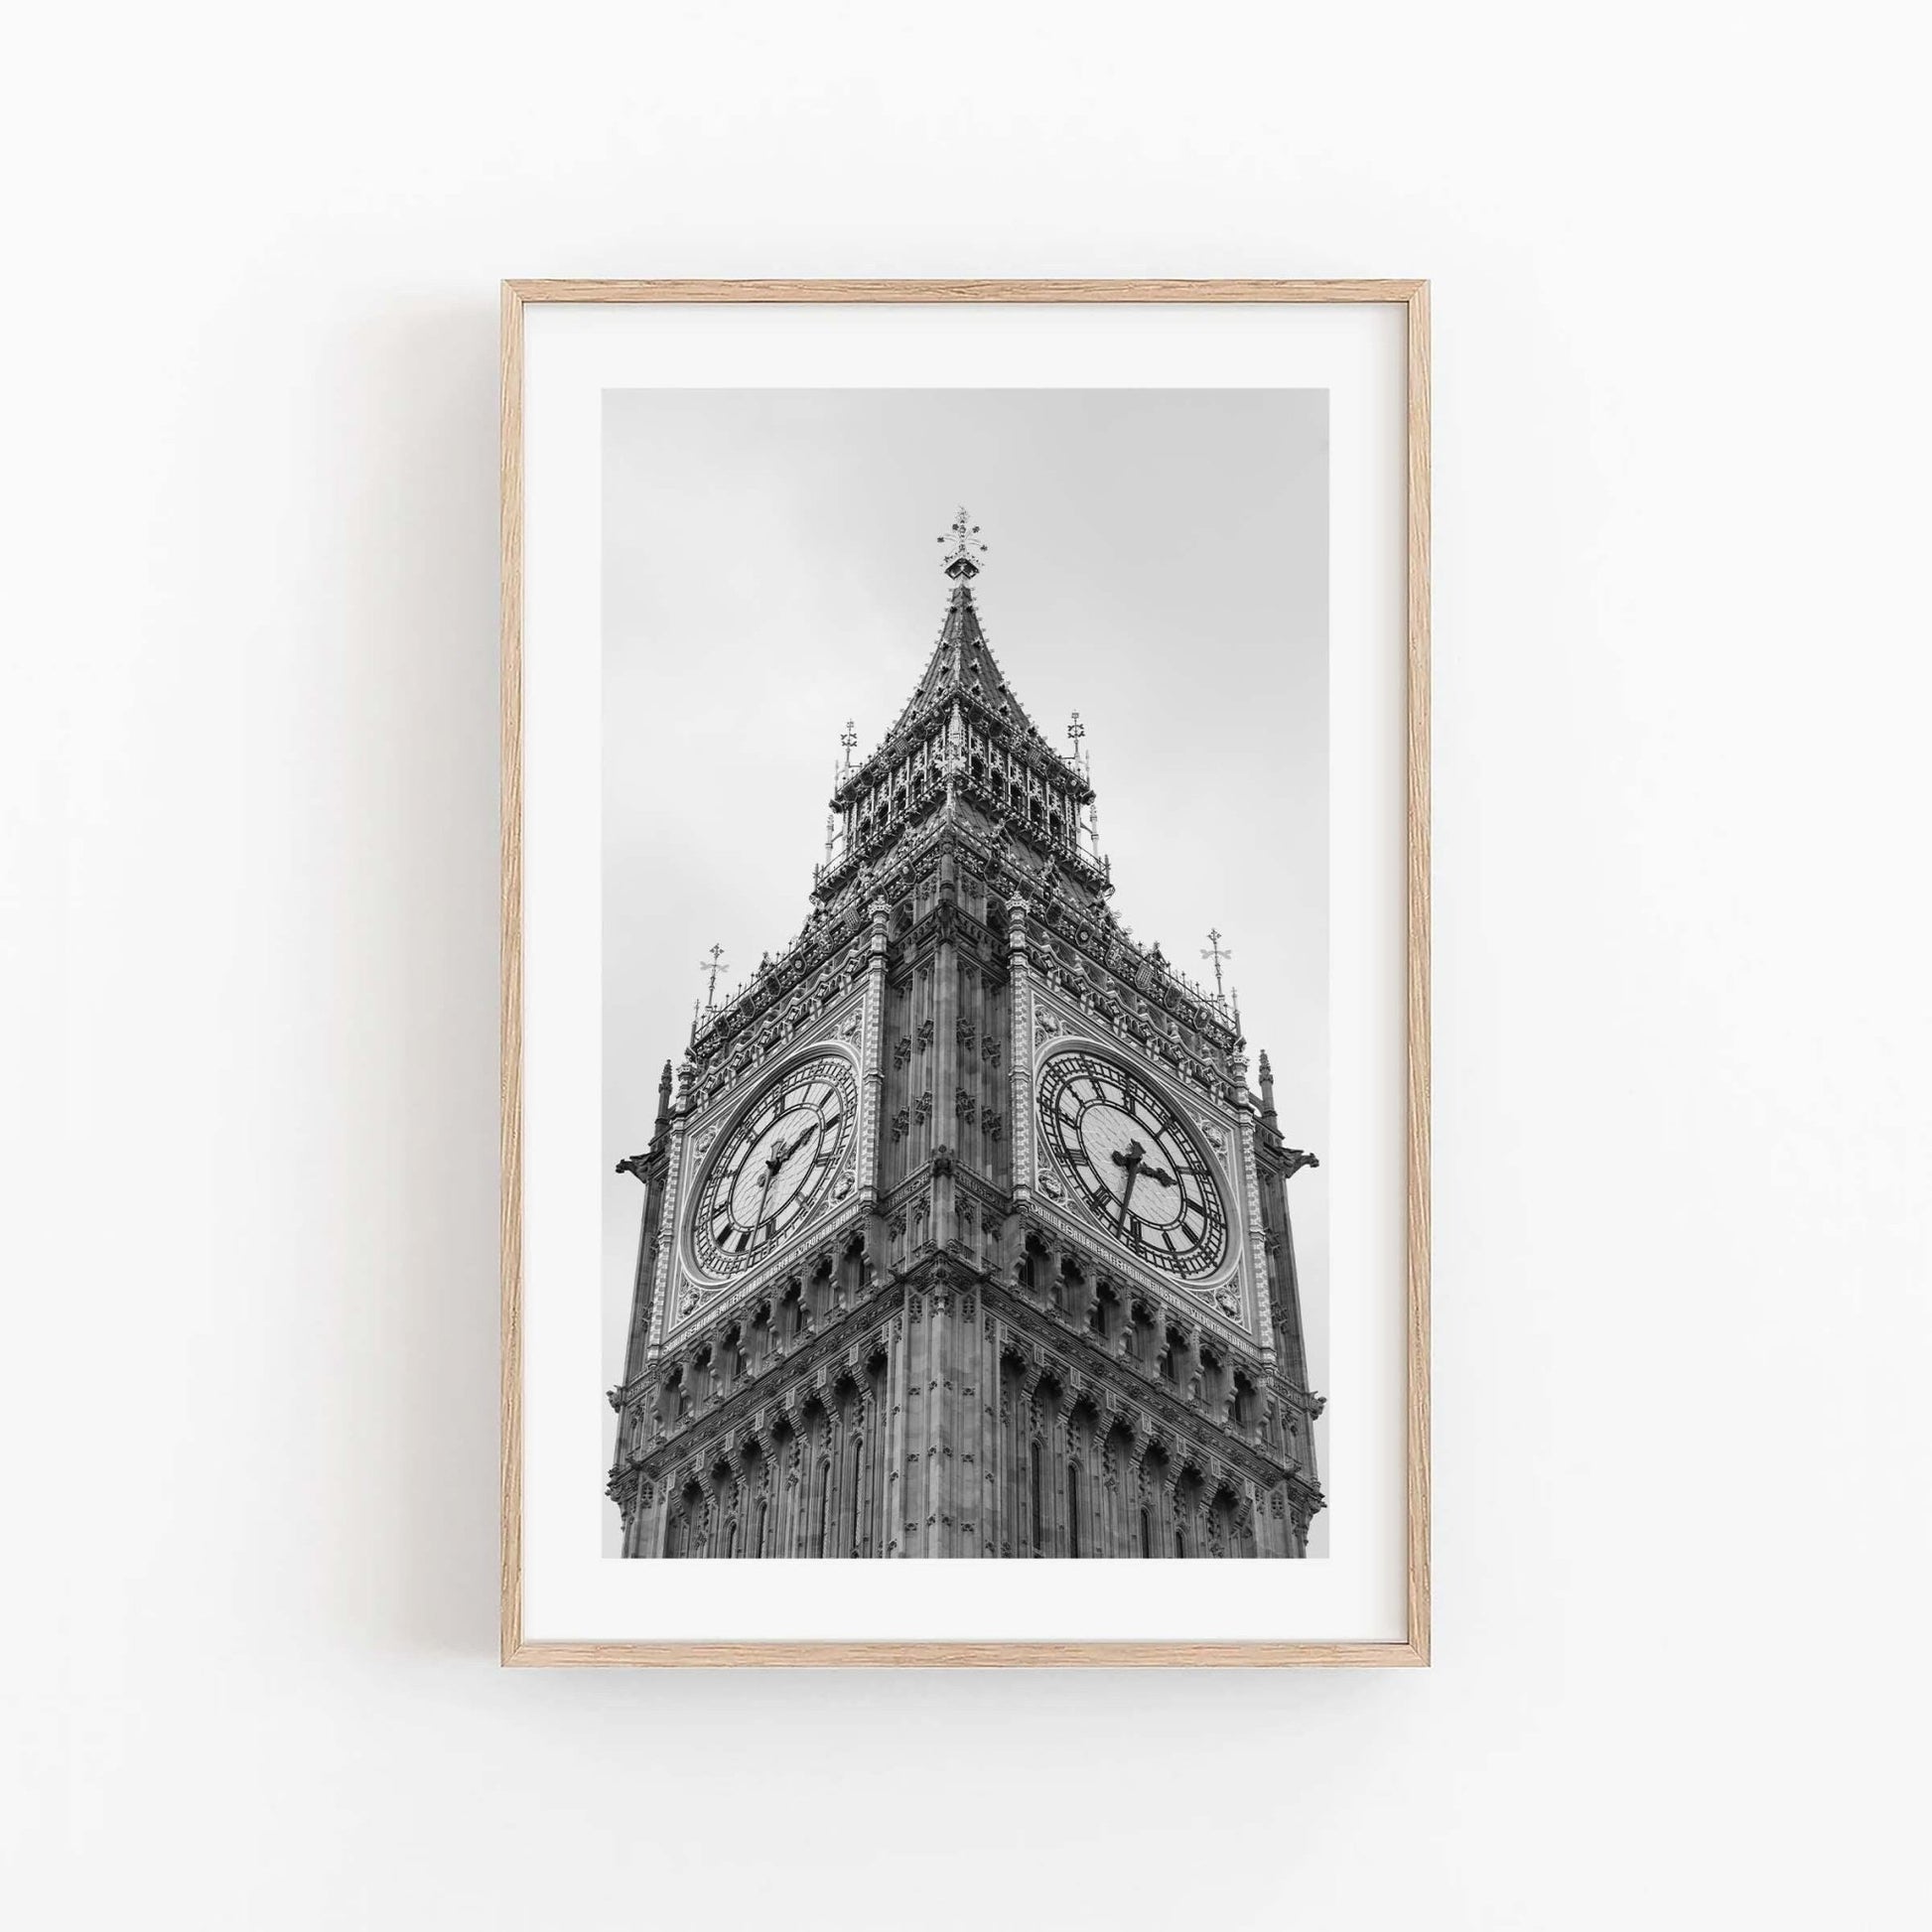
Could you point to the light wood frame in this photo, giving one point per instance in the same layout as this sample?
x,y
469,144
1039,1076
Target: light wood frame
x,y
1413,296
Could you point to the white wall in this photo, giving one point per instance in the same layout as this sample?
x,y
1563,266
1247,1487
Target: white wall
x,y
1684,1243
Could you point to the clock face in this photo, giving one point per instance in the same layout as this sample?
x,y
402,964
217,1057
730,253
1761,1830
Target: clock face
x,y
774,1165
1136,1167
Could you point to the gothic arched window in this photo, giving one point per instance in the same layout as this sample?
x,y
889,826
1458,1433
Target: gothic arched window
x,y
1074,1509
1243,1403
1147,1531
1037,1534
824,1502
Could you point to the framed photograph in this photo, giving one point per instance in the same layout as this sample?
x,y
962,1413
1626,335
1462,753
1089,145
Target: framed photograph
x,y
965,1079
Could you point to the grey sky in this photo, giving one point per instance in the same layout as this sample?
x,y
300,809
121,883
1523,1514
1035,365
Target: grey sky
x,y
1158,559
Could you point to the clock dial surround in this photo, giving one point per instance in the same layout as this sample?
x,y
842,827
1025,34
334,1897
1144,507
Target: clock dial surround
x,y
1132,1163
776,1164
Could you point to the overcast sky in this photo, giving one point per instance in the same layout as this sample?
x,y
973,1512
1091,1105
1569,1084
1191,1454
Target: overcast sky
x,y
1157,560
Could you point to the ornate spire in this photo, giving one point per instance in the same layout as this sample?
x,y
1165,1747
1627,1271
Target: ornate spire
x,y
963,738
962,662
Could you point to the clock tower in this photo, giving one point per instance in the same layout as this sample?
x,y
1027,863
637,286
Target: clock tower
x,y
964,1234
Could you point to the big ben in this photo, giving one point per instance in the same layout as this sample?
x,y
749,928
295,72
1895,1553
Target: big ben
x,y
964,1233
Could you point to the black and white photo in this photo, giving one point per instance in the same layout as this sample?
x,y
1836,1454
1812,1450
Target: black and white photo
x,y
965,1006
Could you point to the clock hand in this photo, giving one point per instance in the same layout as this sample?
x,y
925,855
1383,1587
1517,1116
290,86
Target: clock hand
x,y
1130,1161
774,1162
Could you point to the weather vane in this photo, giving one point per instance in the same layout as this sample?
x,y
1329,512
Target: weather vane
x,y
961,561
711,965
1217,952
849,738
1076,730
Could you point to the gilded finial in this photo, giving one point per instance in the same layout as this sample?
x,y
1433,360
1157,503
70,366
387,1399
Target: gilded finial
x,y
711,965
961,563
1217,952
